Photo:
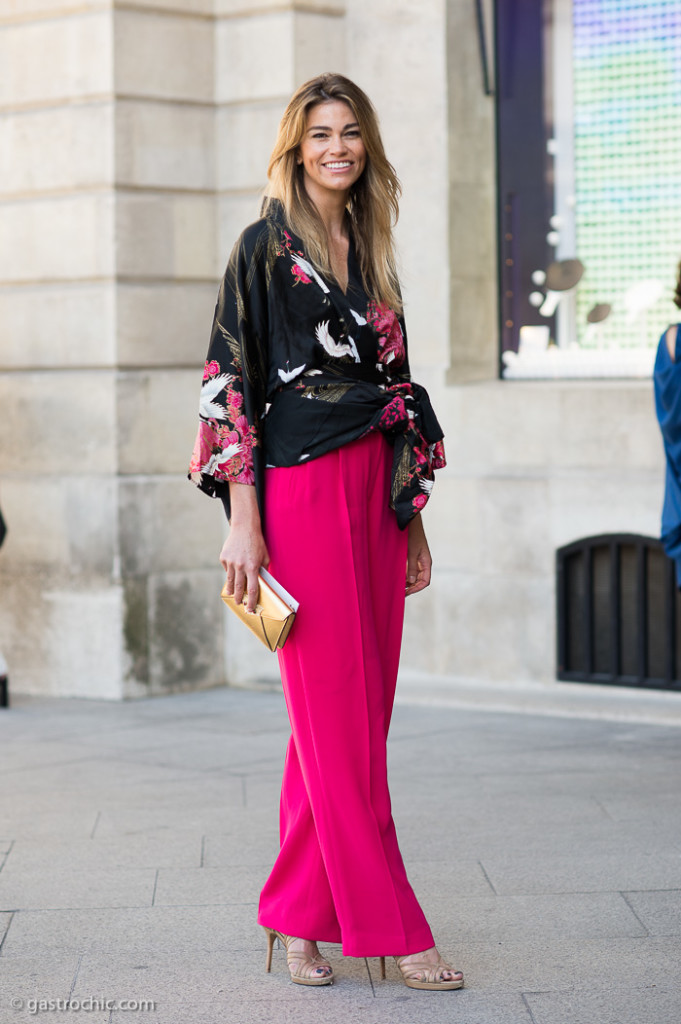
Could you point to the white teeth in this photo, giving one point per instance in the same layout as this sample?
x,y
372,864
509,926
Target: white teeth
x,y
339,166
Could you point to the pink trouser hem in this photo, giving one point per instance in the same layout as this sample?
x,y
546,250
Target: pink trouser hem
x,y
364,945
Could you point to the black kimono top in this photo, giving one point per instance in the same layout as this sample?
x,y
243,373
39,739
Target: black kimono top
x,y
296,368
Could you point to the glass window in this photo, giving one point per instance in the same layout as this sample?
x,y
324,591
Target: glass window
x,y
590,189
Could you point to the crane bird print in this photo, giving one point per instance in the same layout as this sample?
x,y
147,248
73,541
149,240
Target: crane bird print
x,y
333,347
209,409
308,269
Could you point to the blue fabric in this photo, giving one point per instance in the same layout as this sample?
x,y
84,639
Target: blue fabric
x,y
667,379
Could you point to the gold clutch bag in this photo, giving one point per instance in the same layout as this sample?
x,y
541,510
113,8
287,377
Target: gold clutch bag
x,y
274,613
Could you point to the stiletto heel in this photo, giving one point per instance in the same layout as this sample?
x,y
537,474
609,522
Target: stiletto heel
x,y
302,967
382,961
271,936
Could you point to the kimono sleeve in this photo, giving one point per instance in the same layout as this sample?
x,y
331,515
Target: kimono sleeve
x,y
432,449
228,444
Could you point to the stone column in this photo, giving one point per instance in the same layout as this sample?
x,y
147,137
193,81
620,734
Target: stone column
x,y
166,282
108,279
60,609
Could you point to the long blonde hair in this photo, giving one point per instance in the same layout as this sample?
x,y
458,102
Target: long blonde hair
x,y
373,202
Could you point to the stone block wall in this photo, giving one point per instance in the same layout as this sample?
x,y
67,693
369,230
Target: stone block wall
x,y
107,283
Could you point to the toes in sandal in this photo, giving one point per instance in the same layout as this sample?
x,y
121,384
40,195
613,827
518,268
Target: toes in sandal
x,y
304,969
424,975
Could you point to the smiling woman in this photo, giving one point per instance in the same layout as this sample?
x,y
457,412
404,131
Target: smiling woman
x,y
333,158
323,451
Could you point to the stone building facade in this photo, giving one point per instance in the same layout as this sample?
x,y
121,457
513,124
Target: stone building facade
x,y
134,138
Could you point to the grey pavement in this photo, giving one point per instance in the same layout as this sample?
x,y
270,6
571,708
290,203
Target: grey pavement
x,y
135,837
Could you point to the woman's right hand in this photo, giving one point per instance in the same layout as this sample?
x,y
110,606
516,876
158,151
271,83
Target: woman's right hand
x,y
245,550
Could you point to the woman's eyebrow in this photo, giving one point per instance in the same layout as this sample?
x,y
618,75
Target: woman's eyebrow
x,y
325,128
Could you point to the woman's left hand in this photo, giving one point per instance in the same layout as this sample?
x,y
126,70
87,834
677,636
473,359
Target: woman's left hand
x,y
419,561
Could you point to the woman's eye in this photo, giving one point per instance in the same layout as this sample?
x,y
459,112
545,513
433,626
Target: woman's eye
x,y
319,135
352,134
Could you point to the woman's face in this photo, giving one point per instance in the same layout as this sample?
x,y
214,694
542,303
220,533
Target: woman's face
x,y
332,152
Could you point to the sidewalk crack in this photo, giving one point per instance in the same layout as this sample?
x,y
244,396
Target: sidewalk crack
x,y
153,895
75,976
3,859
528,1008
631,908
487,878
11,918
602,808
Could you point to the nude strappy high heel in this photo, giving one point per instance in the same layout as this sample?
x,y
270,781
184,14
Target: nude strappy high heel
x,y
424,975
303,968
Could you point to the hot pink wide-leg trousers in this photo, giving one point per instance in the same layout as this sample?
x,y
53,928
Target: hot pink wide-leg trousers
x,y
335,545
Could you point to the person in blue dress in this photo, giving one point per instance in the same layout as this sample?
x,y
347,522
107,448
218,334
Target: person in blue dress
x,y
667,380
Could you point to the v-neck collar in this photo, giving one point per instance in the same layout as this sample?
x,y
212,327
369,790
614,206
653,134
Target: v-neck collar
x,y
355,294
274,209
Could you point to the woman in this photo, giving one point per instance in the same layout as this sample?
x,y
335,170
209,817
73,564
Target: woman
x,y
667,379
323,451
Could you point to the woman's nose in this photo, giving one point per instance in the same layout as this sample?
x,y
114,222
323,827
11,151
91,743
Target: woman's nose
x,y
338,144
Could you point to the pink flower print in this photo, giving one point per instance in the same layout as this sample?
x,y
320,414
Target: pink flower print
x,y
207,441
394,413
437,455
241,426
211,369
228,437
300,275
419,501
391,342
235,405
239,466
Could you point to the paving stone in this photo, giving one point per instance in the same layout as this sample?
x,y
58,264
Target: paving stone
x,y
20,755
140,930
660,912
214,982
68,888
656,808
25,980
236,848
174,809
31,857
453,875
613,870
109,775
636,1005
45,819
531,965
209,886
494,918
